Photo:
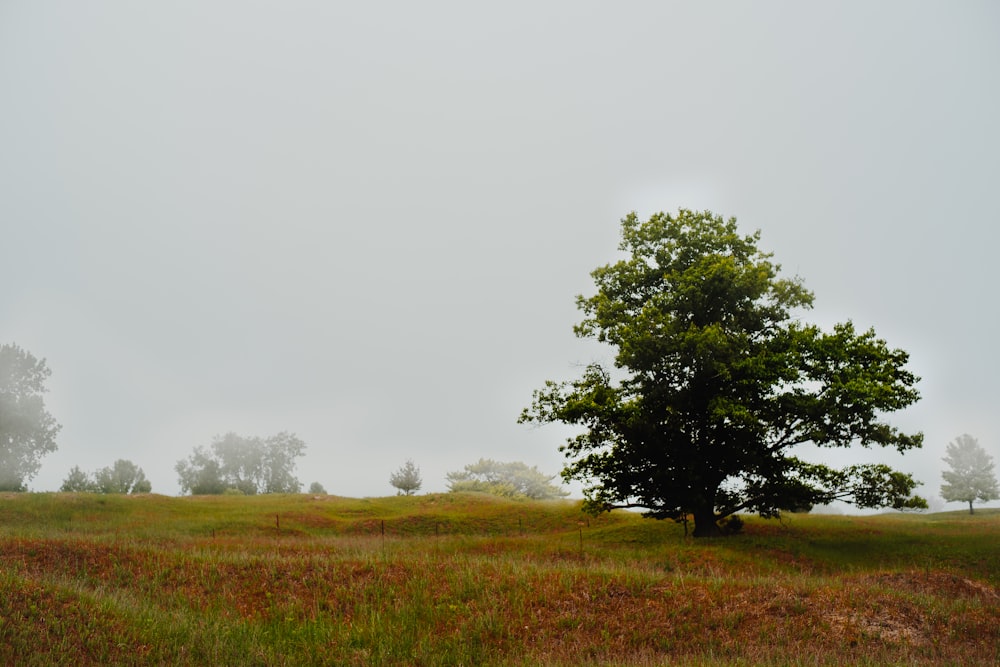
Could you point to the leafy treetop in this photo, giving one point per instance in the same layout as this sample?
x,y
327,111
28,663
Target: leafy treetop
x,y
514,479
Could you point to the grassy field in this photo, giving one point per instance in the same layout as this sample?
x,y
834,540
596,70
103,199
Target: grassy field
x,y
475,580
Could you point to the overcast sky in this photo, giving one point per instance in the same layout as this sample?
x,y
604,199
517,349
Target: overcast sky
x,y
366,223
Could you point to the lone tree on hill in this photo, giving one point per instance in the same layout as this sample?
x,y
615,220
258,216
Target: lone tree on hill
x,y
407,479
514,480
971,476
27,430
715,383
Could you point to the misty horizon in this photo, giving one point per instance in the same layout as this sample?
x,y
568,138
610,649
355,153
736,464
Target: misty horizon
x,y
369,228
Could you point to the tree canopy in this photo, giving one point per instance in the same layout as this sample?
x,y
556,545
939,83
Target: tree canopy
x,y
716,381
407,479
248,465
121,477
77,481
27,430
514,479
971,476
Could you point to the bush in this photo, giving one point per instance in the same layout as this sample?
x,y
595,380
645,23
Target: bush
x,y
731,524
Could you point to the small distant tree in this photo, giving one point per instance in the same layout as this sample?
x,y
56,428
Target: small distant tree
x,y
971,476
407,479
250,465
317,489
122,477
200,474
27,430
280,452
77,481
514,480
241,462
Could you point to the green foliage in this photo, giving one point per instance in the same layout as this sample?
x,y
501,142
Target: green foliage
x,y
250,465
201,474
716,382
27,430
512,480
122,477
317,489
407,479
77,481
971,476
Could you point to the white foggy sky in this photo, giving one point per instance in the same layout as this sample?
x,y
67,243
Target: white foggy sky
x,y
367,223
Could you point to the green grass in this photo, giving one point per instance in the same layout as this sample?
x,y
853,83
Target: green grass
x,y
475,580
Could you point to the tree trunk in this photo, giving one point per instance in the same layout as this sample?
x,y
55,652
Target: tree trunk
x,y
970,508
705,524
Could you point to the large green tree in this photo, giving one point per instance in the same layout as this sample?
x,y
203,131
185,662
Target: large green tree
x,y
716,381
250,465
27,430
